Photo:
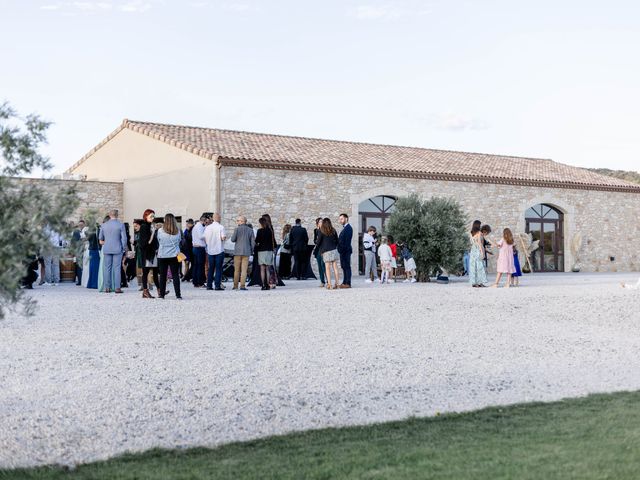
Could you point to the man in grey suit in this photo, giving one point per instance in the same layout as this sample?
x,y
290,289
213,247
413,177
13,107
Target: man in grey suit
x,y
114,243
245,241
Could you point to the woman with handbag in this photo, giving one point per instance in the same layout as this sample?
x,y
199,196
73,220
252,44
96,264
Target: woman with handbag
x,y
168,255
149,249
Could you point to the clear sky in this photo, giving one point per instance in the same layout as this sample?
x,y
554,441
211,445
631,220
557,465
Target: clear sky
x,y
551,79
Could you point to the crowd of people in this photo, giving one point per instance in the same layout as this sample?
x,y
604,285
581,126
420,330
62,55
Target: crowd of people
x,y
107,258
476,260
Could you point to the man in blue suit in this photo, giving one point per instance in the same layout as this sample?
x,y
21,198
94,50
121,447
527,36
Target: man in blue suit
x,y
113,239
345,250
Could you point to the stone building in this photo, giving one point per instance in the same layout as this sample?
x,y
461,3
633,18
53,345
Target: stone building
x,y
190,170
96,197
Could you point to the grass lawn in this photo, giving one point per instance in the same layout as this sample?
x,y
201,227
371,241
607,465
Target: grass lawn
x,y
597,437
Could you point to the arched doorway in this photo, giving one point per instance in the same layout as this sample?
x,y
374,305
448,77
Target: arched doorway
x,y
546,224
373,211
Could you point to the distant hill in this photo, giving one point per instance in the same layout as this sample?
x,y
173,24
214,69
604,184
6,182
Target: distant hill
x,y
621,174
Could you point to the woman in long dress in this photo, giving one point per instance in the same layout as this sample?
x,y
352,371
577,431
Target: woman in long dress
x,y
101,267
477,271
506,262
93,247
86,258
284,268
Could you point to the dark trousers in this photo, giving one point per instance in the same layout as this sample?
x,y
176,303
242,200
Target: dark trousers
x,y
300,264
345,263
215,265
78,276
163,265
321,267
145,277
199,257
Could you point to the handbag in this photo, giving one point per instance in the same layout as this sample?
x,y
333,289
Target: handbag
x,y
181,257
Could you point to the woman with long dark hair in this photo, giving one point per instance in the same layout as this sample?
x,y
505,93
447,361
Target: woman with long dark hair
x,y
264,247
168,250
93,247
477,272
272,273
328,248
149,249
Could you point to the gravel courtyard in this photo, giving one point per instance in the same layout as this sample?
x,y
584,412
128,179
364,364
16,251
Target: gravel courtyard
x,y
94,375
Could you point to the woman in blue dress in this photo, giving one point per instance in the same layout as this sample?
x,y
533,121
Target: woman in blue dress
x,y
93,248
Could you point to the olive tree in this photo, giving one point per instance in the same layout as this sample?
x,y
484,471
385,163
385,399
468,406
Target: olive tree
x,y
434,230
25,207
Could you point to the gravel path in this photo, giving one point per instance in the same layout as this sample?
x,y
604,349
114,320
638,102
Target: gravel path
x,y
95,375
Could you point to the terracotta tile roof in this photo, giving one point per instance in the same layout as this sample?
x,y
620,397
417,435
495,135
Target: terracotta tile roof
x,y
283,152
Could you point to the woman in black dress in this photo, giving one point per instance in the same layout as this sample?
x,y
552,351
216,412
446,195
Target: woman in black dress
x,y
149,250
284,268
327,247
264,248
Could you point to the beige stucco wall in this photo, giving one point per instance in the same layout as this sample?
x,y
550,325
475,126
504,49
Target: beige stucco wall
x,y
609,221
155,174
184,192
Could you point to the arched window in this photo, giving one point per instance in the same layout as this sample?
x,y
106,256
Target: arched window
x,y
374,212
543,211
545,223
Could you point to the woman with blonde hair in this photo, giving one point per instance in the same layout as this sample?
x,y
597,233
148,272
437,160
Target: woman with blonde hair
x,y
284,267
327,246
168,250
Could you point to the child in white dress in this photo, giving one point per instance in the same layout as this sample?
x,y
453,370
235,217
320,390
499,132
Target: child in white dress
x,y
385,254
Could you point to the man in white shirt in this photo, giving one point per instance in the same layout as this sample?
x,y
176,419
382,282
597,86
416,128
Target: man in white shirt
x,y
214,237
199,252
369,246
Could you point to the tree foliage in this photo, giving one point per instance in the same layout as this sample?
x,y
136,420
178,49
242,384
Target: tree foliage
x,y
629,176
25,207
434,230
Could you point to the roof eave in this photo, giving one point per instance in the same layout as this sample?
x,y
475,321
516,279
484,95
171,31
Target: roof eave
x,y
284,165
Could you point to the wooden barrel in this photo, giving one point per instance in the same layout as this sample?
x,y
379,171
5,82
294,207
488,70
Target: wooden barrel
x,y
67,269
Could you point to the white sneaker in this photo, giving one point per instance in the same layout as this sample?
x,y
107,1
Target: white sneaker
x,y
406,280
413,280
368,280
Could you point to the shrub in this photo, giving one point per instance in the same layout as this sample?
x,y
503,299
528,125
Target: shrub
x,y
26,207
434,230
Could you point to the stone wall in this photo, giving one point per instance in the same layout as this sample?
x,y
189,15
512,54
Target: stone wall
x,y
94,196
607,220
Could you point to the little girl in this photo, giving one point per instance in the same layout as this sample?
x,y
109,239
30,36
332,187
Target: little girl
x,y
515,278
505,258
394,254
384,252
409,264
